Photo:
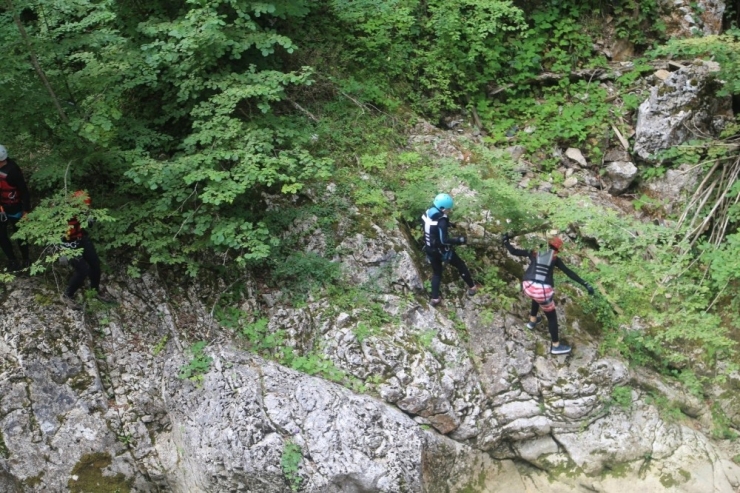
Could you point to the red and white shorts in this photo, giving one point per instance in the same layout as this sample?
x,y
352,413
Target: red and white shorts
x,y
541,293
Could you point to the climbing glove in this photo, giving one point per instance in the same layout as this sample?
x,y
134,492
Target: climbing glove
x,y
505,238
589,288
461,240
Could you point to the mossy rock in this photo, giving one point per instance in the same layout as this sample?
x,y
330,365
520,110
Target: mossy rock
x,y
586,321
4,452
87,476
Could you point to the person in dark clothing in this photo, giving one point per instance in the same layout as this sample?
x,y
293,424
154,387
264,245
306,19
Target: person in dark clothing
x,y
438,246
538,284
85,265
15,202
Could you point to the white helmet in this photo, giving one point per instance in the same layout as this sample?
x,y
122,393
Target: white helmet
x,y
3,153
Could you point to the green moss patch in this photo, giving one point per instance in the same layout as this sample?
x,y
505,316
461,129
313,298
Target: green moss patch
x,y
87,476
4,452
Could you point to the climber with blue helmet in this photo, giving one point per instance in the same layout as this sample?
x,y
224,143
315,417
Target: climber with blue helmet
x,y
438,245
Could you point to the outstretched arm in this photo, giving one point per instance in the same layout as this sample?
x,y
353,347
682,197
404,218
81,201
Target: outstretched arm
x,y
561,265
515,251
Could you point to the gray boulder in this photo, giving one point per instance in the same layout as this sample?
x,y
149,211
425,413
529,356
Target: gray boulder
x,y
673,188
619,176
682,107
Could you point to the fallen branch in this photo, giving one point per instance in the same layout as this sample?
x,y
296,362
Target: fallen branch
x,y
303,110
621,138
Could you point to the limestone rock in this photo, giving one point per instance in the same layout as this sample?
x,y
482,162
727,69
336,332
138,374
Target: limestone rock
x,y
576,155
108,384
662,74
616,154
685,18
620,176
682,106
673,188
516,152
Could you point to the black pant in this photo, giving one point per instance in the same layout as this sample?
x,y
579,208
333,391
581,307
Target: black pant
x,y
552,320
85,265
436,259
7,246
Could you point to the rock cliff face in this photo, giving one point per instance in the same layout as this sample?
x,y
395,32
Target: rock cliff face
x,y
457,397
461,397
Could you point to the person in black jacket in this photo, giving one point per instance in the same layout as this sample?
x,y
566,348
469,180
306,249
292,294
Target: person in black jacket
x,y
87,263
538,284
15,202
438,246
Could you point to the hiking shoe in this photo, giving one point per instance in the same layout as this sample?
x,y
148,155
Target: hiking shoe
x,y
561,349
70,302
435,301
104,297
531,325
473,290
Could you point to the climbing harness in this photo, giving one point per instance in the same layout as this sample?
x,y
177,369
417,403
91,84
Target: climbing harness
x,y
542,265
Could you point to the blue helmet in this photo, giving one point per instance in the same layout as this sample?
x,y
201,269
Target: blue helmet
x,y
443,201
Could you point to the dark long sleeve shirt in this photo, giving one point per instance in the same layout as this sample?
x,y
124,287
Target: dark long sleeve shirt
x,y
533,260
437,235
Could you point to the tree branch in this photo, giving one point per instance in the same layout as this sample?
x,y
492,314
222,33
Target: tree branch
x,y
36,65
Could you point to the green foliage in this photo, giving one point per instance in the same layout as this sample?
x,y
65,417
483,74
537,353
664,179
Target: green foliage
x,y
723,427
261,339
174,106
305,271
555,41
639,68
669,410
161,343
290,463
270,343
622,397
426,338
46,226
313,364
207,130
639,21
198,366
568,115
445,51
362,331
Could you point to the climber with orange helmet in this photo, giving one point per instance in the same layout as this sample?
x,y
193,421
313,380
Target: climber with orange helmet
x,y
438,245
87,263
538,284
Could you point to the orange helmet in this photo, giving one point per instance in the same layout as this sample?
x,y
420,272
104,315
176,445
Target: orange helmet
x,y
84,195
555,242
